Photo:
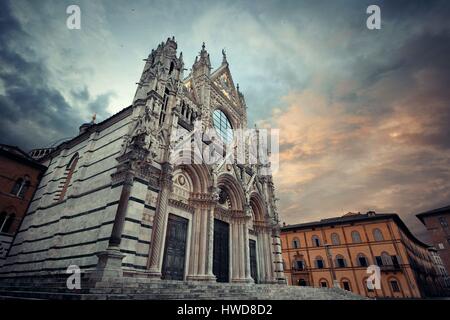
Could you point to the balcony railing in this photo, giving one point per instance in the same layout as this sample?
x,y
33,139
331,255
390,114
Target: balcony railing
x,y
390,267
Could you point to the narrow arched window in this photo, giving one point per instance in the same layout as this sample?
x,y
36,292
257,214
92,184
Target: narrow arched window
x,y
320,264
335,239
395,285
386,259
346,284
17,186
67,177
362,260
296,243
340,261
172,66
356,237
299,264
323,283
315,241
6,221
378,235
3,219
21,187
25,187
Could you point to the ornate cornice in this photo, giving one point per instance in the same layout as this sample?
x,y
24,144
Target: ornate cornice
x,y
181,205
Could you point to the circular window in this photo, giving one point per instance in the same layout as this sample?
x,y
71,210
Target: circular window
x,y
222,126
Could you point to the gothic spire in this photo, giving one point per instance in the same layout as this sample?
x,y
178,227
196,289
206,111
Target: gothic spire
x,y
224,57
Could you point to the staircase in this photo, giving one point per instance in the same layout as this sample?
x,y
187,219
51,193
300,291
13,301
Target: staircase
x,y
146,289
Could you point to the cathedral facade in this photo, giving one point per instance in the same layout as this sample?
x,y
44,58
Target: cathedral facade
x,y
122,199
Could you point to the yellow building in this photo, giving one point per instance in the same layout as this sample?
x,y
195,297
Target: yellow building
x,y
338,252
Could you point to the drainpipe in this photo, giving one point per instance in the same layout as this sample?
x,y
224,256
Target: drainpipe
x,y
330,262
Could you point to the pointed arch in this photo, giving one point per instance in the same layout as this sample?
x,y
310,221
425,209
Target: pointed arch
x,y
21,186
236,194
199,175
257,204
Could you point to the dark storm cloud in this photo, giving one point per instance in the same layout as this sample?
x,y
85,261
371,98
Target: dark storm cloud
x,y
32,112
376,137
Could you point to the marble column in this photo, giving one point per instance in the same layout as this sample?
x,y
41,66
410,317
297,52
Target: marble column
x,y
200,265
279,272
241,251
261,256
160,223
210,242
268,256
247,253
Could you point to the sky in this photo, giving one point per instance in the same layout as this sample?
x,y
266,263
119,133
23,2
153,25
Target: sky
x,y
363,114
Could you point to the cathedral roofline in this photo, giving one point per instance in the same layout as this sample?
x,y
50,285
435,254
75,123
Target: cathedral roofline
x,y
96,127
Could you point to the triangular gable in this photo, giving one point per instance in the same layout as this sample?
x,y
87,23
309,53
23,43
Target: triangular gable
x,y
223,81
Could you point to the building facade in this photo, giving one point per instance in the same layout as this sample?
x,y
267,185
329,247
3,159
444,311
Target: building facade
x,y
437,223
338,251
121,199
19,177
443,277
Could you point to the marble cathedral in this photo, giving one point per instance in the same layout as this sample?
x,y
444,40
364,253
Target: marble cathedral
x,y
113,203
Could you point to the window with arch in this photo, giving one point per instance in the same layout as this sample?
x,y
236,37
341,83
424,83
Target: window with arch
x,y
223,126
340,261
6,220
296,243
386,259
320,263
315,241
21,186
356,237
172,66
335,240
378,235
345,284
362,260
395,285
323,283
368,288
299,264
70,168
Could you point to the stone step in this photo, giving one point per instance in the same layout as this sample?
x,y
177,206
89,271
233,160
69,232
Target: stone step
x,y
143,288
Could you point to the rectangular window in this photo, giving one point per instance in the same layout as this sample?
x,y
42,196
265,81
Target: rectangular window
x,y
300,265
379,261
395,261
395,286
323,284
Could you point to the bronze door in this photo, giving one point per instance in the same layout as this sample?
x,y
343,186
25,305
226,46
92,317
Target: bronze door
x,y
253,263
221,251
175,250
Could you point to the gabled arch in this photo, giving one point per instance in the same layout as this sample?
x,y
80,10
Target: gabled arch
x,y
199,175
235,192
258,206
